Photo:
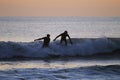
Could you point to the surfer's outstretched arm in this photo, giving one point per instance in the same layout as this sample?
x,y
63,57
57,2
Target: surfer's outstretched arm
x,y
57,37
39,39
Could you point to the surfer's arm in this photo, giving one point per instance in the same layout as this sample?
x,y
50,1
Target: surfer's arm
x,y
39,39
69,39
57,37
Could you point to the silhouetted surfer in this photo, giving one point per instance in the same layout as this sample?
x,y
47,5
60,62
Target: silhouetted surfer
x,y
63,37
46,41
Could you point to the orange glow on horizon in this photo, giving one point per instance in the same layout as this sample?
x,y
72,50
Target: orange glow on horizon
x,y
59,7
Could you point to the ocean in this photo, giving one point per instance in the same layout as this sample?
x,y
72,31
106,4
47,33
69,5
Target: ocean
x,y
26,29
94,54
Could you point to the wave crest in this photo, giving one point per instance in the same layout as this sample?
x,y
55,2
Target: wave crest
x,y
80,47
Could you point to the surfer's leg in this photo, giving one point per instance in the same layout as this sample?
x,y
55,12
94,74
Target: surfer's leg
x,y
61,41
44,45
65,42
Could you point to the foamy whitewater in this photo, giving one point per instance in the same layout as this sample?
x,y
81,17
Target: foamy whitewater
x,y
80,47
94,54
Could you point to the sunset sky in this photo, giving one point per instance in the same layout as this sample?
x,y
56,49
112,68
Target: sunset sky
x,y
59,7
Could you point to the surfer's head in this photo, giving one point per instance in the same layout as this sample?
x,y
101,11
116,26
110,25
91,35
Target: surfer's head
x,y
65,32
48,35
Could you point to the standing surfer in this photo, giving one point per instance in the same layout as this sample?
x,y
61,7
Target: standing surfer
x,y
63,37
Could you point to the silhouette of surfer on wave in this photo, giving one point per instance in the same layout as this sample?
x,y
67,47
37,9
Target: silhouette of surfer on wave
x,y
46,40
63,36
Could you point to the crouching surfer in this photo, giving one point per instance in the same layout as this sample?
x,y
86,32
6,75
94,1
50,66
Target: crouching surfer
x,y
46,40
63,38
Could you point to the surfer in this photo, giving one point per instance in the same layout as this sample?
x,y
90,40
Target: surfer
x,y
63,37
46,40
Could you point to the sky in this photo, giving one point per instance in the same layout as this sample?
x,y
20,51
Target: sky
x,y
59,7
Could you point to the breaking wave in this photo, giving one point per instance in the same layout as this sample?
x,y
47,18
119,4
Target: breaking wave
x,y
80,47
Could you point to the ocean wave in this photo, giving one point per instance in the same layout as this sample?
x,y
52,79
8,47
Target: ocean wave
x,y
94,70
80,47
110,72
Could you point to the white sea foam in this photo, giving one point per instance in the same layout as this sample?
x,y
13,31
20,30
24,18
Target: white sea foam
x,y
79,47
